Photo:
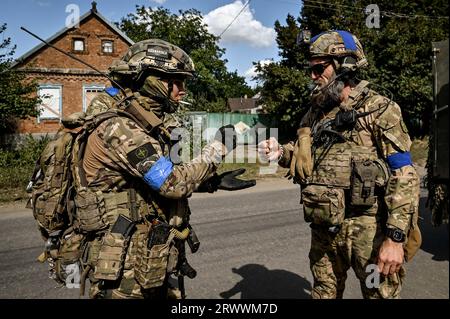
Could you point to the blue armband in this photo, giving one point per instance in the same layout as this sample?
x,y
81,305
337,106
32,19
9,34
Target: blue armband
x,y
158,173
112,91
398,160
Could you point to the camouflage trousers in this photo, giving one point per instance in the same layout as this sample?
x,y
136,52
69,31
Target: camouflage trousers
x,y
126,287
354,246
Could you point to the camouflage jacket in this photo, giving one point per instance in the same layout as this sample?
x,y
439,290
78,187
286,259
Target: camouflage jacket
x,y
120,154
380,134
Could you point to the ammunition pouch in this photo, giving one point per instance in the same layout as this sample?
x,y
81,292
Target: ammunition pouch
x,y
323,205
111,257
154,262
367,177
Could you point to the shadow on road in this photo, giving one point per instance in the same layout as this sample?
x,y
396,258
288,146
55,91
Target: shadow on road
x,y
258,282
434,239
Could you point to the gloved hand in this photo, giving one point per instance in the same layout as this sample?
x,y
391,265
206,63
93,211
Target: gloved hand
x,y
301,162
226,181
227,136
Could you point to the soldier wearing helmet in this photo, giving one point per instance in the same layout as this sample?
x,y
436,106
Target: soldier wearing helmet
x,y
131,193
359,188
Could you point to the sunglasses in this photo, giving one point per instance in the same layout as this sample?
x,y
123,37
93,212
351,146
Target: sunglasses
x,y
318,68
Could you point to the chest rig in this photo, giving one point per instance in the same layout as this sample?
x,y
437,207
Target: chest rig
x,y
97,210
336,142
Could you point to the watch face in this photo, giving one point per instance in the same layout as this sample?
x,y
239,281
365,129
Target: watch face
x,y
397,235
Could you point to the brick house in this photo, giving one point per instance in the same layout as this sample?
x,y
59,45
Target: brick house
x,y
245,105
67,85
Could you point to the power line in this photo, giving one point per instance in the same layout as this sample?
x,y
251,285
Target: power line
x,y
361,9
239,13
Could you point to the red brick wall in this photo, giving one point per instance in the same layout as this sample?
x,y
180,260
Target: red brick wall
x,y
93,31
72,99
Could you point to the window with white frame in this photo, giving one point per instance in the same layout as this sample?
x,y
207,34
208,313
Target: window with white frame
x,y
107,46
89,92
51,102
78,45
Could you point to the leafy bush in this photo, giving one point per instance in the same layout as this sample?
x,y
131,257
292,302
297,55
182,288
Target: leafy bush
x,y
16,167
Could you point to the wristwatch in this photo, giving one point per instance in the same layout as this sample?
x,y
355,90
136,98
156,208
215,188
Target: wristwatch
x,y
396,235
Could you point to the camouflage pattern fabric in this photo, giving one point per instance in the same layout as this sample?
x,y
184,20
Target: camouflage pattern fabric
x,y
118,155
355,246
377,135
100,103
154,54
335,44
118,140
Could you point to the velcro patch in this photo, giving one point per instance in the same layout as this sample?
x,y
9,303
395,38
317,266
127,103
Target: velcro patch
x,y
157,52
139,154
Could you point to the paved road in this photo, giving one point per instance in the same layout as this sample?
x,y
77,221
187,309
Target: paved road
x,y
254,244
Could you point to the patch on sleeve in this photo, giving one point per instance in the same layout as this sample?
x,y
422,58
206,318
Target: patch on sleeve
x,y
141,153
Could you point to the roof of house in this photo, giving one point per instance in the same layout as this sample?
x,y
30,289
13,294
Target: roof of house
x,y
242,103
94,12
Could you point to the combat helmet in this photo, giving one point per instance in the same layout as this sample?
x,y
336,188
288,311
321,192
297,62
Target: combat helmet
x,y
338,45
154,55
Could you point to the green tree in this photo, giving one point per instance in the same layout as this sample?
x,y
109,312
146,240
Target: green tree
x,y
17,96
213,83
399,51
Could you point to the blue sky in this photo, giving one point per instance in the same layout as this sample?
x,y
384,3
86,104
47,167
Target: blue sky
x,y
250,37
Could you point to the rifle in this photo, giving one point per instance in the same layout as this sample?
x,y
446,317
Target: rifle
x,y
184,269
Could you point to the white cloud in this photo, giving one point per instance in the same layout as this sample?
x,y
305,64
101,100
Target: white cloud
x,y
145,20
158,1
251,73
42,3
244,29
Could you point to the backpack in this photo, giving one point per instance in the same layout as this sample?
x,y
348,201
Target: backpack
x,y
51,185
52,189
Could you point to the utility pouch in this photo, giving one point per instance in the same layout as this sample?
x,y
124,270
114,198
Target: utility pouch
x,y
90,211
45,211
111,257
323,205
363,182
70,248
152,262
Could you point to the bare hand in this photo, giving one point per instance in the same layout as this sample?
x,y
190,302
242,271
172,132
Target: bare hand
x,y
390,257
269,149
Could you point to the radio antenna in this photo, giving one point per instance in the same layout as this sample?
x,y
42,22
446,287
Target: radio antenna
x,y
75,58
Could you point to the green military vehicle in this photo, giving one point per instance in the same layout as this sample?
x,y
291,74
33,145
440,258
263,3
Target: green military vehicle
x,y
438,157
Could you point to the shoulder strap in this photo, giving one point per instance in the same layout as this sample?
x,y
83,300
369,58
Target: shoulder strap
x,y
356,96
146,119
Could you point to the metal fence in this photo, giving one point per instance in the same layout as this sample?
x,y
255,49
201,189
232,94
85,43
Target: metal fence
x,y
210,122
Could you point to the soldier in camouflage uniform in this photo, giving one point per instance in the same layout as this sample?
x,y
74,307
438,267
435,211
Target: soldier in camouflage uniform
x,y
129,192
359,189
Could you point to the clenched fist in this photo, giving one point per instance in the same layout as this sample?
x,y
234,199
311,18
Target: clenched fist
x,y
269,149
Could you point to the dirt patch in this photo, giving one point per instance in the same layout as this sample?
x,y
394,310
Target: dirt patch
x,y
18,204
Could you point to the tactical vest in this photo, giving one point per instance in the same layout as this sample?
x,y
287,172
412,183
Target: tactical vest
x,y
97,210
333,161
108,252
